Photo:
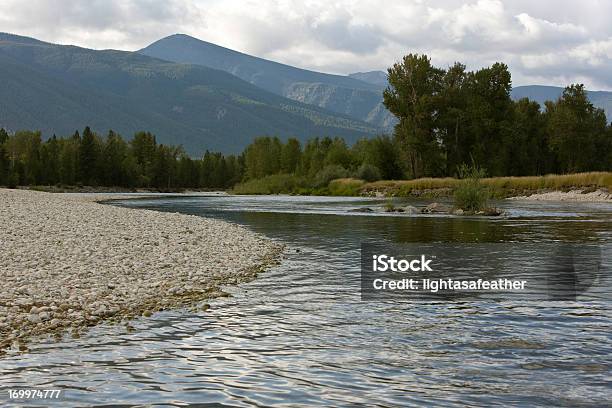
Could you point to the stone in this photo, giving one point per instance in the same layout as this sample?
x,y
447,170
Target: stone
x,y
436,208
93,262
409,209
361,210
33,318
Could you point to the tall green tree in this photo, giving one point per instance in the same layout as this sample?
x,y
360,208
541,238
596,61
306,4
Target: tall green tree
x,y
89,150
144,149
414,86
50,158
111,171
291,154
4,158
576,130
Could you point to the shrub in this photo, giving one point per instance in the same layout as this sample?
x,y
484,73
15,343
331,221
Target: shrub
x,y
274,184
329,173
368,172
470,194
345,187
13,180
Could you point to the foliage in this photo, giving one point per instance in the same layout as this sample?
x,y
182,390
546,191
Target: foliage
x,y
345,187
272,184
368,172
470,195
93,160
451,117
329,173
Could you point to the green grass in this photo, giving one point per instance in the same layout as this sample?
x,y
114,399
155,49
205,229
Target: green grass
x,y
470,194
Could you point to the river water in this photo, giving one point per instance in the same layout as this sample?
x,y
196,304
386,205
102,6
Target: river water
x,y
301,335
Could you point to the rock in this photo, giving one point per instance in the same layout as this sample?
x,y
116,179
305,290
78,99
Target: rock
x,y
458,211
361,210
492,212
96,262
409,209
24,302
436,208
33,318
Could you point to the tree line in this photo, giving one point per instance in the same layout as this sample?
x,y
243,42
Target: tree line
x,y
453,117
89,159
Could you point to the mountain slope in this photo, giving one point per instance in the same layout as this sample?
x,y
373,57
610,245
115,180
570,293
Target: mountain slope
x,y
58,89
378,78
342,94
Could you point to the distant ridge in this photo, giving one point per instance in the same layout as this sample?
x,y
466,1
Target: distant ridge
x,y
58,89
378,78
342,94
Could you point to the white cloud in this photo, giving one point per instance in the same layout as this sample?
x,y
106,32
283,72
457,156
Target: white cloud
x,y
554,42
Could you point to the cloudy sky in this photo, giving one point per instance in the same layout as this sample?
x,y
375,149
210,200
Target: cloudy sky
x,y
544,42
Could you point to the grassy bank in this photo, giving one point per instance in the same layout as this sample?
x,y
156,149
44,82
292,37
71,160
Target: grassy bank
x,y
499,187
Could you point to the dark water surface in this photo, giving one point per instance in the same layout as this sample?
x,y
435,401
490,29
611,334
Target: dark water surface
x,y
300,335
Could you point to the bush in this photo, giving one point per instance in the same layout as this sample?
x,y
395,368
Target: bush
x,y
470,194
329,173
274,184
368,172
345,187
13,180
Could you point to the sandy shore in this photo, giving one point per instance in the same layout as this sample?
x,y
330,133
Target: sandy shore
x,y
68,262
574,195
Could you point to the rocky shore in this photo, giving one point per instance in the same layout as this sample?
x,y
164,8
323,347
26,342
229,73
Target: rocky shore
x,y
573,195
68,262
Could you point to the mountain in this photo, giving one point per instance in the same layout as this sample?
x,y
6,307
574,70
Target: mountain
x,y
378,78
541,94
342,94
58,88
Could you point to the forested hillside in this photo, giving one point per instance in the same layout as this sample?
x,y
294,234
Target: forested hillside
x,y
342,94
58,89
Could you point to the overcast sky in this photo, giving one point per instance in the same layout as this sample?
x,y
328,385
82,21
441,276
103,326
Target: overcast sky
x,y
543,41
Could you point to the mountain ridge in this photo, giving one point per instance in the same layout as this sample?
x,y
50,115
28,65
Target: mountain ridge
x,y
338,93
60,88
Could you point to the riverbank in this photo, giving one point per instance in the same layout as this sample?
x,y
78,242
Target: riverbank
x,y
498,187
600,196
118,190
69,262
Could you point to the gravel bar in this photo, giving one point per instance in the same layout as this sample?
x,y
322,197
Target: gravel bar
x,y
68,262
598,196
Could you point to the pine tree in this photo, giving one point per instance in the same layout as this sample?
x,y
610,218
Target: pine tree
x,y
88,157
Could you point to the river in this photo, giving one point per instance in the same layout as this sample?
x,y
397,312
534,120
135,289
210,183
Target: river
x,y
301,335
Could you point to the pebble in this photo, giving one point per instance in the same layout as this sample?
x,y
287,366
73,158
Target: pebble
x,y
84,262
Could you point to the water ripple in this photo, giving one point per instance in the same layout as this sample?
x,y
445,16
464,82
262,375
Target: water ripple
x,y
300,335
